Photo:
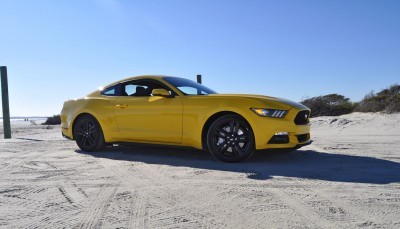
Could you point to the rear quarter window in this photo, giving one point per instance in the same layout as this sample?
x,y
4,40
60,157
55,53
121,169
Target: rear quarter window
x,y
112,91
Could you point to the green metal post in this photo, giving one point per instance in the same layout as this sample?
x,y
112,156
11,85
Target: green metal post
x,y
6,107
199,79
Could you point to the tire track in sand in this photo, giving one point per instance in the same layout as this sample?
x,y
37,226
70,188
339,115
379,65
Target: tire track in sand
x,y
143,177
181,208
29,154
137,215
301,208
94,213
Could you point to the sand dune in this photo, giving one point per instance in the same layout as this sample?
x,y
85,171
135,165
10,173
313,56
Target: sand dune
x,y
349,177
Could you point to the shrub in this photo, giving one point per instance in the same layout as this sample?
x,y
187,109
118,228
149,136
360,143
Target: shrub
x,y
329,105
387,100
55,120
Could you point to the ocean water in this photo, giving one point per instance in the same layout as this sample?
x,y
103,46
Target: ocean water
x,y
26,119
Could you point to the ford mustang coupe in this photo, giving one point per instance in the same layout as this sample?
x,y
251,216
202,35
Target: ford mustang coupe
x,y
176,111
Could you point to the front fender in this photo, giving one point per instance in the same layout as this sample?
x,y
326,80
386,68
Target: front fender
x,y
198,110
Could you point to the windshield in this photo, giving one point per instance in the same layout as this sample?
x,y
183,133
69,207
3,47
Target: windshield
x,y
189,87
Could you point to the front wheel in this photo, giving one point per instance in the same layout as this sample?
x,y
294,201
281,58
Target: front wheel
x,y
230,139
88,134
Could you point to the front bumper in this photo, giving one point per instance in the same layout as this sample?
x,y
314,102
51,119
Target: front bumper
x,y
303,144
267,129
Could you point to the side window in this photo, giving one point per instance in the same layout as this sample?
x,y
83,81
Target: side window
x,y
190,90
112,91
136,89
109,92
130,89
142,87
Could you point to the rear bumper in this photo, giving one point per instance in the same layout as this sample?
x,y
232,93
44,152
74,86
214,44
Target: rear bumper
x,y
65,133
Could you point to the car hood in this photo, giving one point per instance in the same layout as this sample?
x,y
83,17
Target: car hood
x,y
267,100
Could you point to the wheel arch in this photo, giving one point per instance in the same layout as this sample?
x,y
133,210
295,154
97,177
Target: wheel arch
x,y
214,117
81,115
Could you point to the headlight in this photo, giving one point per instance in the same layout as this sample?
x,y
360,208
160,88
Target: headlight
x,y
272,113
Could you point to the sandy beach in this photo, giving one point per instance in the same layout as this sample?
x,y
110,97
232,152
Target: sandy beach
x,y
348,178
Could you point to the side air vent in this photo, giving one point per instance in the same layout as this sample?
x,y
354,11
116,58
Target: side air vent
x,y
303,138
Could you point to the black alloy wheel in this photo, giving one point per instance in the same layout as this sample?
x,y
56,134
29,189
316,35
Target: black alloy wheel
x,y
88,134
230,139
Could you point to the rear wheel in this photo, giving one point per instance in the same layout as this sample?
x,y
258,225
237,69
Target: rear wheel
x,y
230,139
88,134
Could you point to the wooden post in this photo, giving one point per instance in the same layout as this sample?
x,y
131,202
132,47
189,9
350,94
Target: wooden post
x,y
6,107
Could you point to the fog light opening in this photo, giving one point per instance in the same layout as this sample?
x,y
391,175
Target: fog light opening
x,y
282,134
279,138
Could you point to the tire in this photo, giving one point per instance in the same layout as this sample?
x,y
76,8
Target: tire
x,y
88,134
230,139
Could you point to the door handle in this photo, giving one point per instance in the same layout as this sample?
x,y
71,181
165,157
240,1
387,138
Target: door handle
x,y
121,106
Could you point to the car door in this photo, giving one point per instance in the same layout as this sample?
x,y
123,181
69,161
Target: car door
x,y
146,118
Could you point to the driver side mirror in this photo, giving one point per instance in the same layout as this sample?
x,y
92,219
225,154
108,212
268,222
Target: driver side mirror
x,y
161,92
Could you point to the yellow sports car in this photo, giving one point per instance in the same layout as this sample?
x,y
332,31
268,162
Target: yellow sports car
x,y
176,111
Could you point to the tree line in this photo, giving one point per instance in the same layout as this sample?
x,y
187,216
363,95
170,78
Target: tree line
x,y
387,100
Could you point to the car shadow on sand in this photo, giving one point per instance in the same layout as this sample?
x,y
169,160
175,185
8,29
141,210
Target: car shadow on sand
x,y
305,164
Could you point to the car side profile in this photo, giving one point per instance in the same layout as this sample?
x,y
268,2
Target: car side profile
x,y
176,111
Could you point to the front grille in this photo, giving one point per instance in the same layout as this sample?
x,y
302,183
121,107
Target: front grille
x,y
302,138
302,118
